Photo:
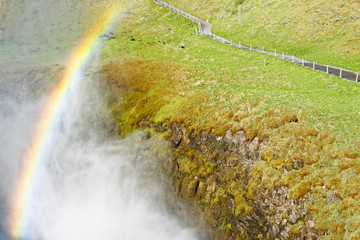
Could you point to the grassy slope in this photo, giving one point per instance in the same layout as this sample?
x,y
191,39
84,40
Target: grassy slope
x,y
321,30
211,86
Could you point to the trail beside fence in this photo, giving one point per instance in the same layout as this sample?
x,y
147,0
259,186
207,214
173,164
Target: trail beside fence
x,y
205,30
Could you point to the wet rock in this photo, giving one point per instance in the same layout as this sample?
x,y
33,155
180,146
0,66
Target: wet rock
x,y
294,216
146,136
273,211
213,159
275,230
189,190
311,224
297,165
175,143
331,197
201,189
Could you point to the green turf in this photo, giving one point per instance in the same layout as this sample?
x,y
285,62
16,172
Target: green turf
x,y
231,76
213,84
321,30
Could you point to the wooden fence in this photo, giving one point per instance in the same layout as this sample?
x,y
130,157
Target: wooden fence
x,y
205,30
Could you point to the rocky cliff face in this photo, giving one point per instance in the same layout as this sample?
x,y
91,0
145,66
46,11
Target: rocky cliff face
x,y
218,171
212,174
245,173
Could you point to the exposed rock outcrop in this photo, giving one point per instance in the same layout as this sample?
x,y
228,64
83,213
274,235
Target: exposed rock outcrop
x,y
212,174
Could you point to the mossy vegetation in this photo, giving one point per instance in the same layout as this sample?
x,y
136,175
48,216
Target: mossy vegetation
x,y
143,89
158,70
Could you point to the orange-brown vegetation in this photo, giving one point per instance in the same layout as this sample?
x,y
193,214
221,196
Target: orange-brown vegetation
x,y
306,160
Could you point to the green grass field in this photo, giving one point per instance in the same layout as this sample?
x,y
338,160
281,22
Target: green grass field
x,y
224,72
173,75
321,30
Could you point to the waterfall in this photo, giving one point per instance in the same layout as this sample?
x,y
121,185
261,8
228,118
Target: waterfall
x,y
88,185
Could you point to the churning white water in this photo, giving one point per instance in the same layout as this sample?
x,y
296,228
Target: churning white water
x,y
87,186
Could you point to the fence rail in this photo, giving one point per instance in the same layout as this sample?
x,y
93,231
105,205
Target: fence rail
x,y
204,27
205,30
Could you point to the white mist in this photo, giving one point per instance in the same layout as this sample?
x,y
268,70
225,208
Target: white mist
x,y
87,186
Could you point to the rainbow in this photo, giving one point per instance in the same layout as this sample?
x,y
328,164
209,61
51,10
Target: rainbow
x,y
34,155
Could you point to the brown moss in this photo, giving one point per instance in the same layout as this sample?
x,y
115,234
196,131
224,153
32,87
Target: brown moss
x,y
262,134
347,163
334,181
252,189
221,128
234,129
325,139
305,152
229,115
250,132
349,154
299,190
239,116
210,127
288,117
274,122
311,132
269,113
267,155
136,81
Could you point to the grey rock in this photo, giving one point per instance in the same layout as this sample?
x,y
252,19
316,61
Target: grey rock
x,y
331,197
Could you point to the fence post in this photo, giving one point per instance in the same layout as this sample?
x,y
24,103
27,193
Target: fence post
x,y
196,31
293,59
313,65
250,47
302,62
275,52
262,48
357,77
341,72
327,69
